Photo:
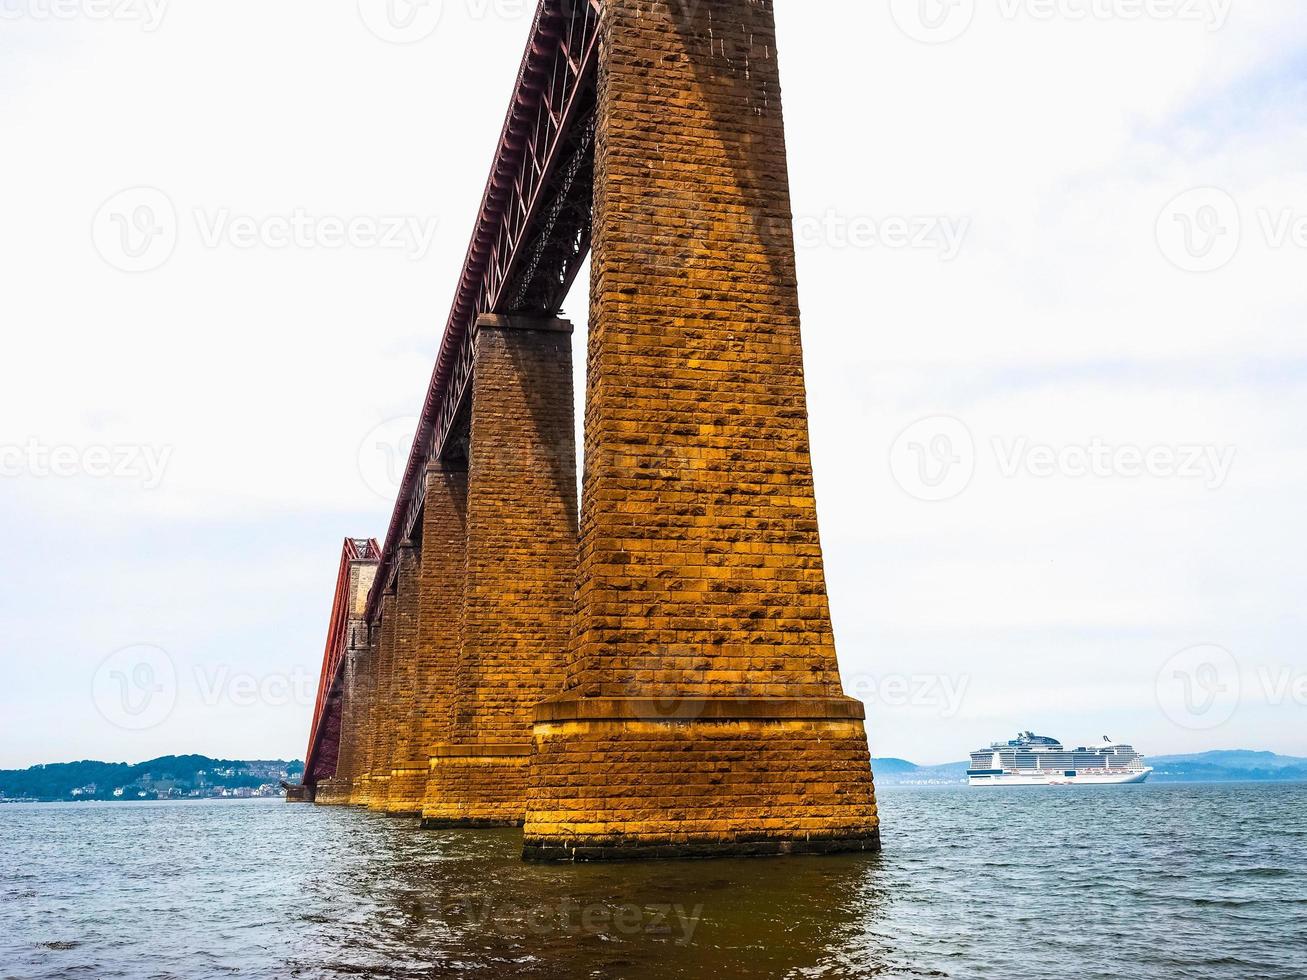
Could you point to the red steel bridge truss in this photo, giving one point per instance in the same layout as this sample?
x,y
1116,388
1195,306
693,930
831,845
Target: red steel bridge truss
x,y
531,237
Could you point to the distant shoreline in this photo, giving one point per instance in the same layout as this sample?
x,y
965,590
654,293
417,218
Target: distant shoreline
x,y
197,778
886,785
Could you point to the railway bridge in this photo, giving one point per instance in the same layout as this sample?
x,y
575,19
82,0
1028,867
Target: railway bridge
x,y
646,667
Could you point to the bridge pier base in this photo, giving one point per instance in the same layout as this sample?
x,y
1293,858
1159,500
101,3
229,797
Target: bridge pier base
x,y
331,793
630,778
405,790
520,569
480,785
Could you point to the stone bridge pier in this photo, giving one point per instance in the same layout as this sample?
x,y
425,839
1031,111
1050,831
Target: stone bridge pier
x,y
653,674
702,711
519,570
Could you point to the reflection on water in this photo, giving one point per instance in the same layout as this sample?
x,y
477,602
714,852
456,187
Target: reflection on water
x,y
1147,883
464,903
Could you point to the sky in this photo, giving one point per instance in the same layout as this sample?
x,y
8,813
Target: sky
x,y
1051,261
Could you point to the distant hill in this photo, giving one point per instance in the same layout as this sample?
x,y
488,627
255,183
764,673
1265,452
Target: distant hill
x,y
890,767
1227,766
169,777
1205,767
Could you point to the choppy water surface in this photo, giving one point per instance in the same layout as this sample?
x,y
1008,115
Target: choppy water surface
x,y
1127,883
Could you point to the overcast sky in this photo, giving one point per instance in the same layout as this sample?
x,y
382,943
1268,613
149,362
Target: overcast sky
x,y
1052,268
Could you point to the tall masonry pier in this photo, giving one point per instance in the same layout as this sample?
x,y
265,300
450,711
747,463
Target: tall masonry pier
x,y
658,677
702,711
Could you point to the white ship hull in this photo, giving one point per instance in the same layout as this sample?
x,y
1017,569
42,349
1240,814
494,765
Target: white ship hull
x,y
1061,778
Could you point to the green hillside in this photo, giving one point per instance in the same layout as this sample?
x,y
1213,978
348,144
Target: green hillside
x,y
169,777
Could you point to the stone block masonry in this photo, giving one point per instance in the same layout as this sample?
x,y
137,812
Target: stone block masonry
x,y
408,774
381,731
519,572
702,711
359,746
444,566
337,790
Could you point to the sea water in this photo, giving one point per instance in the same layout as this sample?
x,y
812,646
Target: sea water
x,y
1110,883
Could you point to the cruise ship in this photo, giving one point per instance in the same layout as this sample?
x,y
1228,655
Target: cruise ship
x,y
1035,760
